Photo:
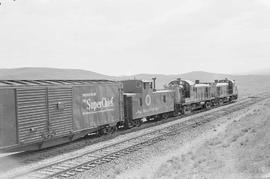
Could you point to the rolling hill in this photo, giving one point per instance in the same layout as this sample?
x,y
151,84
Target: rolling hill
x,y
248,84
265,71
49,73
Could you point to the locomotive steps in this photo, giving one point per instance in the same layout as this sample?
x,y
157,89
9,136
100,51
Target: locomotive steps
x,y
88,158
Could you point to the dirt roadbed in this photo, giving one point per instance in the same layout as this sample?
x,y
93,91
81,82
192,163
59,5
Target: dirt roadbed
x,y
235,146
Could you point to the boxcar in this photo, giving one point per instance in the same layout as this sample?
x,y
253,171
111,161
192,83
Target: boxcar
x,y
144,102
41,113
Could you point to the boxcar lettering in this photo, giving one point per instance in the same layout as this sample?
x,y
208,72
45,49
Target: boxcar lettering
x,y
99,105
89,94
94,112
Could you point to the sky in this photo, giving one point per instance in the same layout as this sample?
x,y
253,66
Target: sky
x,y
124,37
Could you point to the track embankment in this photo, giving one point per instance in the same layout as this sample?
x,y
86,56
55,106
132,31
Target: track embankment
x,y
72,164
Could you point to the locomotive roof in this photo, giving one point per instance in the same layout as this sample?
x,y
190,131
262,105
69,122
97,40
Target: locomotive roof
x,y
8,83
130,94
189,82
163,91
144,81
222,84
202,85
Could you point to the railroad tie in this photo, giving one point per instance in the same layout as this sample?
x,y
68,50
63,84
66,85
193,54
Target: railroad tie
x,y
91,165
86,167
79,169
70,173
126,151
106,159
64,175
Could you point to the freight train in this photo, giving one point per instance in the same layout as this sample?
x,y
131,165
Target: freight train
x,y
37,114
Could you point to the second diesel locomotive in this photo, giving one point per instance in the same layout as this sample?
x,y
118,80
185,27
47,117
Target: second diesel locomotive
x,y
36,114
190,96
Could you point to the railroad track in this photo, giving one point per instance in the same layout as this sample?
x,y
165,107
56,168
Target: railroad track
x,y
27,158
89,160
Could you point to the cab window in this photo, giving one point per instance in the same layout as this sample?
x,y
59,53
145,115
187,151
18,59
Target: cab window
x,y
138,84
144,85
140,101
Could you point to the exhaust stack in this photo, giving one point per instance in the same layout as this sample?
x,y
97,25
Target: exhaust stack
x,y
154,83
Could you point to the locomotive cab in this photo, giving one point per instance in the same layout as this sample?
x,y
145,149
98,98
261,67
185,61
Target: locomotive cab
x,y
193,95
230,87
184,89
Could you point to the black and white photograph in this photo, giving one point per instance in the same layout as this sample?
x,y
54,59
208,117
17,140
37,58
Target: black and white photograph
x,y
135,89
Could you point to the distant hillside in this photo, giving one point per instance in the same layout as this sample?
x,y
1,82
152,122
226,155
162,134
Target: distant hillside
x,y
248,84
165,79
49,73
265,71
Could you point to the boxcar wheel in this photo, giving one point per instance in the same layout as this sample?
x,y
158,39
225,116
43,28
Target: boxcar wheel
x,y
138,123
165,116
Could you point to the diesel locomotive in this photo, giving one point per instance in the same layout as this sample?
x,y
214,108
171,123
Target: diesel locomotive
x,y
37,114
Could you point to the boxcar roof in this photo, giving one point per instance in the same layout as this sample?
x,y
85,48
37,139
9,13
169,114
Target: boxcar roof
x,y
7,83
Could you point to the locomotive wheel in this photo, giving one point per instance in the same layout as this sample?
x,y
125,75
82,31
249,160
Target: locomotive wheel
x,y
193,107
186,110
208,105
220,102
